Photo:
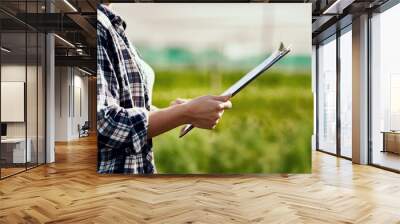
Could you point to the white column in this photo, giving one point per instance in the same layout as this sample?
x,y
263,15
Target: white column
x,y
50,99
360,90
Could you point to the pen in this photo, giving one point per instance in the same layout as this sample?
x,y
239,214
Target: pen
x,y
185,130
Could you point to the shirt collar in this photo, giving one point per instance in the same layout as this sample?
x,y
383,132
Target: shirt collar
x,y
115,20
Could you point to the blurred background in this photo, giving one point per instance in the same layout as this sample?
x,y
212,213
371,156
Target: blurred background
x,y
199,49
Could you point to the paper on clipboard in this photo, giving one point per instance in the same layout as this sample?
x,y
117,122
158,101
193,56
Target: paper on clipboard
x,y
250,76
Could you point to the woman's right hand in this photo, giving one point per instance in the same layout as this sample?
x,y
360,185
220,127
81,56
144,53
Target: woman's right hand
x,y
205,111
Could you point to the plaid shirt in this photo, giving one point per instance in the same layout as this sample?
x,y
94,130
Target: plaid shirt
x,y
122,101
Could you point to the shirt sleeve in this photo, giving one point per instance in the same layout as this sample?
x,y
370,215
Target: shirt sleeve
x,y
118,128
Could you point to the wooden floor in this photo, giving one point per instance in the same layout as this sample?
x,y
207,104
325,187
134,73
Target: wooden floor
x,y
387,159
10,171
70,191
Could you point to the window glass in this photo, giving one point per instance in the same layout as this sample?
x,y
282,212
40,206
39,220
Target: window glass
x,y
31,97
15,150
22,89
31,86
385,89
345,94
327,97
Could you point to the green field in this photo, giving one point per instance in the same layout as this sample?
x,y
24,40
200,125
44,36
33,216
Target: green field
x,y
268,130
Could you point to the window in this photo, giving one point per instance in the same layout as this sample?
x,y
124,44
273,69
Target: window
x,y
15,149
346,93
385,89
22,92
327,96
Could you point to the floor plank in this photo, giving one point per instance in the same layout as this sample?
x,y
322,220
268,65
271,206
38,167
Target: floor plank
x,y
70,191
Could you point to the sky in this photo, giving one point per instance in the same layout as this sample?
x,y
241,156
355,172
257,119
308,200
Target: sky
x,y
236,29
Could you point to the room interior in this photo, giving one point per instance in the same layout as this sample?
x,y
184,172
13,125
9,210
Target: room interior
x,y
22,105
25,93
48,67
334,74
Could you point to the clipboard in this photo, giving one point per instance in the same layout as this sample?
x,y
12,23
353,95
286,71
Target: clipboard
x,y
248,78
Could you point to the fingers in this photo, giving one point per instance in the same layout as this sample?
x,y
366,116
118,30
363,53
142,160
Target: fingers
x,y
213,124
208,110
208,123
226,105
222,98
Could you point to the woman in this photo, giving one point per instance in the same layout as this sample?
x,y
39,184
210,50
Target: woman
x,y
125,122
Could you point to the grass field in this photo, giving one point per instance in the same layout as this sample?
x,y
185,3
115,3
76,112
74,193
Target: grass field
x,y
268,130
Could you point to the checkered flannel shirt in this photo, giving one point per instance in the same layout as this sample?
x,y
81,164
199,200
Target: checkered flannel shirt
x,y
122,101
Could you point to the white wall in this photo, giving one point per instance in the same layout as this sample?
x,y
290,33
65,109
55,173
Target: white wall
x,y
33,126
79,117
69,82
12,73
61,103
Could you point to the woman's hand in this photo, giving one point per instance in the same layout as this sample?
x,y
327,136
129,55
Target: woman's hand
x,y
202,112
178,101
205,111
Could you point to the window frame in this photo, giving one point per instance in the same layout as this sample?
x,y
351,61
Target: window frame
x,y
334,37
31,30
381,9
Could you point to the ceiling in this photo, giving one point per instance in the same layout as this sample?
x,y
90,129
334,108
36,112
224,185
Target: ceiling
x,y
332,15
75,22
